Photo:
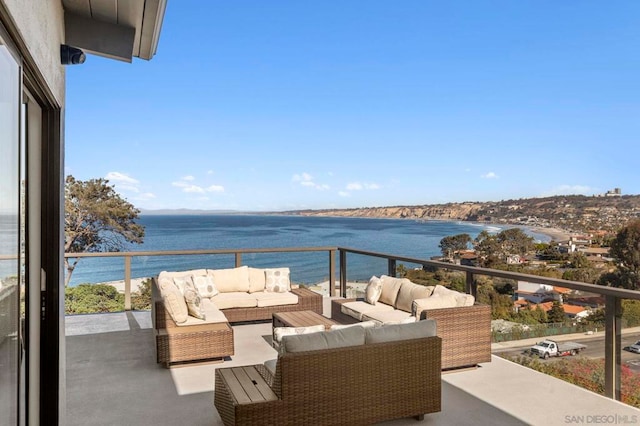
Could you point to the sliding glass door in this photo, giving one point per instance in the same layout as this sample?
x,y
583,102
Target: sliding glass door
x,y
10,237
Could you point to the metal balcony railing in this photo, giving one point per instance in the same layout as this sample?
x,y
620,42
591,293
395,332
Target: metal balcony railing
x,y
613,296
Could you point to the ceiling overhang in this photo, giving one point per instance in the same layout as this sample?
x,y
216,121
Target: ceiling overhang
x,y
117,29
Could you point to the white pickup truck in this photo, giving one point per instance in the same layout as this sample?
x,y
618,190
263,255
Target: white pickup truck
x,y
548,348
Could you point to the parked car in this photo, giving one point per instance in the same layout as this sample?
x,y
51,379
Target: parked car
x,y
633,348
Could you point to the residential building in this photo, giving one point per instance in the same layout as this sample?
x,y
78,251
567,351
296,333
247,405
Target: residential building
x,y
36,37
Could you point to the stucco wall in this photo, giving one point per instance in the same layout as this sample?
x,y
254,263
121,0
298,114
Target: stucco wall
x,y
41,26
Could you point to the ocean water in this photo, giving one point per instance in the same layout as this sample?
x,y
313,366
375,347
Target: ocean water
x,y
401,237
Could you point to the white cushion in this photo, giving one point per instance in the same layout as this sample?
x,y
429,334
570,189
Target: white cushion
x,y
257,280
373,291
352,336
171,275
277,280
211,313
462,299
433,302
358,308
389,317
174,302
409,292
235,299
231,280
205,285
279,332
395,332
390,289
275,299
365,324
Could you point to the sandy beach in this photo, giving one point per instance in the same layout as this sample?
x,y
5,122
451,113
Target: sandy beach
x,y
556,234
119,285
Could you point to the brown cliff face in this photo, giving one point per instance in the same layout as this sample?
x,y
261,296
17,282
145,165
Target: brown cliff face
x,y
574,212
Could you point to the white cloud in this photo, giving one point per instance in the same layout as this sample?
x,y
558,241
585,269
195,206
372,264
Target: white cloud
x,y
122,181
357,186
305,179
145,196
490,175
187,186
570,190
344,194
209,172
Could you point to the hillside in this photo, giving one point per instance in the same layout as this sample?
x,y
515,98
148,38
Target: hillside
x,y
576,213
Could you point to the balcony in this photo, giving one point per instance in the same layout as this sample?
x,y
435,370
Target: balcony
x,y
112,376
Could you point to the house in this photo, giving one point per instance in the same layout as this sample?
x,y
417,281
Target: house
x,y
38,39
539,293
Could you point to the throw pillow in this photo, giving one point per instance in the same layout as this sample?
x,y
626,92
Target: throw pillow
x,y
374,290
277,280
205,286
364,324
193,301
181,282
174,303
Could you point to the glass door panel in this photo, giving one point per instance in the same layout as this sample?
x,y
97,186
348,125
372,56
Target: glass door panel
x,y
10,273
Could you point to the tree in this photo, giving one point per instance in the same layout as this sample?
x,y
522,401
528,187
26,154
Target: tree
x,y
96,219
625,249
451,244
556,313
493,250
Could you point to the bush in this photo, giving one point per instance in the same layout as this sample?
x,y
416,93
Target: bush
x,y
141,299
93,298
588,374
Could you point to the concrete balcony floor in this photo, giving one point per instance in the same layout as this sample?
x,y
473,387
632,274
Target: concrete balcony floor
x,y
112,379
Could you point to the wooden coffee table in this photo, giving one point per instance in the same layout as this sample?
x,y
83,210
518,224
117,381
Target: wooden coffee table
x,y
301,319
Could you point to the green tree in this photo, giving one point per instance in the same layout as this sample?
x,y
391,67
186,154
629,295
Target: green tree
x,y
556,313
96,219
493,250
625,249
451,244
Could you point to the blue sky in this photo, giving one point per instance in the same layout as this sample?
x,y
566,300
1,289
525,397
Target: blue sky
x,y
279,105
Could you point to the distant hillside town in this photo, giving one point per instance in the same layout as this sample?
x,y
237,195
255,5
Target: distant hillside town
x,y
580,214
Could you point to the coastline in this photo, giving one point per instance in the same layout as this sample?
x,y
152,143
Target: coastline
x,y
556,234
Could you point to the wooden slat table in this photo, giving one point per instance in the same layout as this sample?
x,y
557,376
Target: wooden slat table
x,y
301,319
246,385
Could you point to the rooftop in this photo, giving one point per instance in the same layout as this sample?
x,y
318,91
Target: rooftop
x,y
112,378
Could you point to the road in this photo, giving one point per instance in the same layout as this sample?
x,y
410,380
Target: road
x,y
595,349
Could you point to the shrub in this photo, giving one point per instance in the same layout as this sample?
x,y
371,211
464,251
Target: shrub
x,y
141,299
92,298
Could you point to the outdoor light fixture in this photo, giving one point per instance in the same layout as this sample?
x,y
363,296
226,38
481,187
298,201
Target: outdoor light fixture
x,y
71,56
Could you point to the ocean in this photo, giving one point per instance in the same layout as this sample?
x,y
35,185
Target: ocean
x,y
403,237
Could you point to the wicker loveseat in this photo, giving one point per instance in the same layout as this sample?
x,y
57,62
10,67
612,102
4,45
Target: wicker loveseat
x,y
372,381
465,330
240,295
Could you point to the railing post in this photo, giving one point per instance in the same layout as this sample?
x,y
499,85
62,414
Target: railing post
x,y
238,260
612,347
471,286
127,283
332,273
391,268
343,273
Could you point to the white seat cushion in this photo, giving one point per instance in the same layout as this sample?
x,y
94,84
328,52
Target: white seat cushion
x,y
358,308
211,313
234,299
388,317
274,299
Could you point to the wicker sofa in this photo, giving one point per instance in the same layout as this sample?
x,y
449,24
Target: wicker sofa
x,y
185,338
374,380
465,327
